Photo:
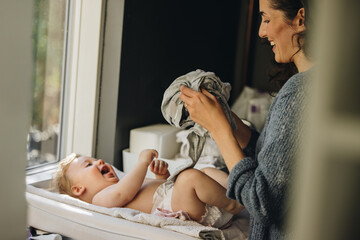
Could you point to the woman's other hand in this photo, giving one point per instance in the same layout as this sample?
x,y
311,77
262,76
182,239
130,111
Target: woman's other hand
x,y
204,109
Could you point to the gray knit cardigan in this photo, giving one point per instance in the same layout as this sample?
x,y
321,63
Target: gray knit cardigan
x,y
261,180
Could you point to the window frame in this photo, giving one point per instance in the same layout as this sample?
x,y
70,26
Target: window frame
x,y
81,80
110,78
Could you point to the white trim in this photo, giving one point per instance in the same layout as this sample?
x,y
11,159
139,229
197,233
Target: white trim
x,y
105,148
82,90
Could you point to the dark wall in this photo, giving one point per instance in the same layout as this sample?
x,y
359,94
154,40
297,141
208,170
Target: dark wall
x,y
163,40
260,57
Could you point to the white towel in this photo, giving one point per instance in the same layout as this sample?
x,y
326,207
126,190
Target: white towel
x,y
47,237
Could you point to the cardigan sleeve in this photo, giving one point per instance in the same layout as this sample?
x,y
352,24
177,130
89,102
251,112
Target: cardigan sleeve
x,y
259,182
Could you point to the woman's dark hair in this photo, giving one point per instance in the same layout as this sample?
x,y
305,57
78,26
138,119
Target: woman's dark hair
x,y
281,72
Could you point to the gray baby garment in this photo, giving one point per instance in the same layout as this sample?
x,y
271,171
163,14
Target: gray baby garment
x,y
175,113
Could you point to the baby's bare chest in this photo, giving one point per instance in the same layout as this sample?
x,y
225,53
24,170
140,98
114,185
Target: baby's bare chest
x,y
143,199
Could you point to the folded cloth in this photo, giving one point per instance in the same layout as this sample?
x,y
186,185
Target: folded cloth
x,y
210,155
175,113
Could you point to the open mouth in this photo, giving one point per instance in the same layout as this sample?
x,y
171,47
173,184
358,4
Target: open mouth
x,y
107,173
105,169
272,44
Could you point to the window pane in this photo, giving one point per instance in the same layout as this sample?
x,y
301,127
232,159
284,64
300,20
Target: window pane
x,y
48,54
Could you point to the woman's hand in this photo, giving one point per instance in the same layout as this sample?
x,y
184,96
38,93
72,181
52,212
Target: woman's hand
x,y
160,169
204,109
148,155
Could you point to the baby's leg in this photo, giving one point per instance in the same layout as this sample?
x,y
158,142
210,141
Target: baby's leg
x,y
220,176
193,190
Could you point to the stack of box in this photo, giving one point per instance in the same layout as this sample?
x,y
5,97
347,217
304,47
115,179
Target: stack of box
x,y
161,137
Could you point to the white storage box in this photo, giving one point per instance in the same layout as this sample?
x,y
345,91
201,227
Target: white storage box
x,y
161,137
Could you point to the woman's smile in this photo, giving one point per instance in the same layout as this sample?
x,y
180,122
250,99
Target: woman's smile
x,y
273,46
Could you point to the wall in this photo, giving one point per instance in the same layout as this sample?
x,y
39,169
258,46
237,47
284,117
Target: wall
x,y
15,99
163,40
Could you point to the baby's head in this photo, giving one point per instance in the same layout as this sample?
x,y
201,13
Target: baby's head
x,y
82,177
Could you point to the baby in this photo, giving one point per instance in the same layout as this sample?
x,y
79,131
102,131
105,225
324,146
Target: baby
x,y
94,181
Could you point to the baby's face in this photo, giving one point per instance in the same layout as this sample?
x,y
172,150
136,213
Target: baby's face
x,y
94,174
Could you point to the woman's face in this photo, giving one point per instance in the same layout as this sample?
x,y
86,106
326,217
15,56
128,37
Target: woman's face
x,y
278,32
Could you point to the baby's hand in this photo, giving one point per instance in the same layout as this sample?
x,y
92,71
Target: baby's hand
x,y
148,155
160,169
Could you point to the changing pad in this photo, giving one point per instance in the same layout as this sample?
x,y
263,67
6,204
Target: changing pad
x,y
71,217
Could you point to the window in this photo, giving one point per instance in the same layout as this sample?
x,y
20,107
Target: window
x,y
67,43
48,42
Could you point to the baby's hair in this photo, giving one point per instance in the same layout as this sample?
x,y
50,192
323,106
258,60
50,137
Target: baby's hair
x,y
61,181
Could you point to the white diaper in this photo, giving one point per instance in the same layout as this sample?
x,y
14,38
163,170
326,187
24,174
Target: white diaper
x,y
162,196
214,216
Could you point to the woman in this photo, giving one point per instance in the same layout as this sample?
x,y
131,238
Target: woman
x,y
261,166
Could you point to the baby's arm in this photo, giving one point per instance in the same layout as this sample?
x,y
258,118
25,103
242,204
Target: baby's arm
x,y
121,193
160,169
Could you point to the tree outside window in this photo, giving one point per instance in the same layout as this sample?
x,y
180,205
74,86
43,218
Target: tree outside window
x,y
49,31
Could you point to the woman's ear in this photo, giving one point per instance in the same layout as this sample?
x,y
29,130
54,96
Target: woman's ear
x,y
78,190
300,20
